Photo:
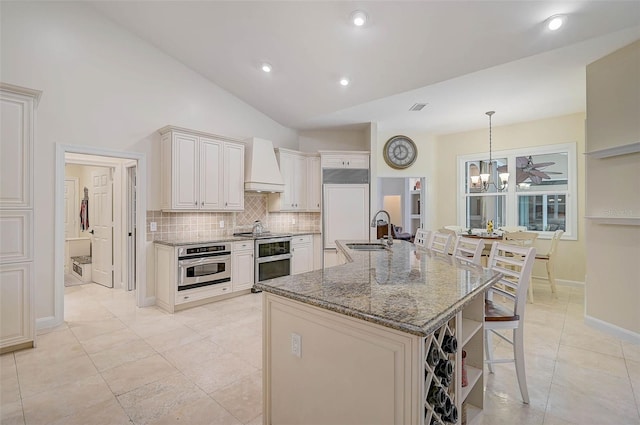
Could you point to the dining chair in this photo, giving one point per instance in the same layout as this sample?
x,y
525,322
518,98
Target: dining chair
x,y
422,238
548,258
521,239
440,242
468,249
515,263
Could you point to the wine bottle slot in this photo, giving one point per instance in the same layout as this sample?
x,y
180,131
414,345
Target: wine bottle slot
x,y
434,355
444,369
449,344
437,397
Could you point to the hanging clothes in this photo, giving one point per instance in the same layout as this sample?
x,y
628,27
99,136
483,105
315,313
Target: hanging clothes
x,y
84,214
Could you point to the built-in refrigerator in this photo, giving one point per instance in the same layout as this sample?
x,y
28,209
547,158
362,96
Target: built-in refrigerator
x,y
345,213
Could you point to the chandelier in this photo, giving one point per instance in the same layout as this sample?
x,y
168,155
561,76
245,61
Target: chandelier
x,y
486,169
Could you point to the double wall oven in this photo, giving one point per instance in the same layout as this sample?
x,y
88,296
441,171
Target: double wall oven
x,y
273,257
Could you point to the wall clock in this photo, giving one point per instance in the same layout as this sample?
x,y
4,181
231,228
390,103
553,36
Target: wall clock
x,y
400,152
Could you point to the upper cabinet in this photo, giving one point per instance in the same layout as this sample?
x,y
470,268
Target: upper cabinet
x,y
302,188
346,159
201,171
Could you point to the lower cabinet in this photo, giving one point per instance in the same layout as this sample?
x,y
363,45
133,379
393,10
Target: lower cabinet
x,y
242,266
16,296
302,250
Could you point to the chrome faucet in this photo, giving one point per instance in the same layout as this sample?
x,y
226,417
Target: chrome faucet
x,y
374,224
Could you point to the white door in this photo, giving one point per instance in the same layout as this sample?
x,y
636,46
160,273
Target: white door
x,y
346,213
101,222
71,208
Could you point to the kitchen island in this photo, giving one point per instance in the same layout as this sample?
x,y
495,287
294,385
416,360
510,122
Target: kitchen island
x,y
370,341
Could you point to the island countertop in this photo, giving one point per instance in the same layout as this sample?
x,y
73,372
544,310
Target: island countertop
x,y
404,287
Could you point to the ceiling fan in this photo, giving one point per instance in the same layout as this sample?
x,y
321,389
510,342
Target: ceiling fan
x,y
526,169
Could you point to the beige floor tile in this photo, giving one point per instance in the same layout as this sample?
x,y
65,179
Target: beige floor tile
x,y
550,419
237,338
132,375
631,351
9,386
86,311
197,352
582,336
243,398
591,360
203,411
45,376
580,407
633,368
121,354
149,402
109,340
11,413
251,353
108,412
256,421
173,338
65,400
226,369
149,326
87,330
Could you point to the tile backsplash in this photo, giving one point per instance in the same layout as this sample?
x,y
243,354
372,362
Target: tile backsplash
x,y
194,225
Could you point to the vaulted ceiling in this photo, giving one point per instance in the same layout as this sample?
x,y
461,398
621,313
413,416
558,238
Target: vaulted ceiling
x,y
461,58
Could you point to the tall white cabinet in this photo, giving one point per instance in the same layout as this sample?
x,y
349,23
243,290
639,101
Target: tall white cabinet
x,y
302,187
202,172
17,123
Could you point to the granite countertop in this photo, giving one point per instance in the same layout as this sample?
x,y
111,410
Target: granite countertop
x,y
404,287
179,241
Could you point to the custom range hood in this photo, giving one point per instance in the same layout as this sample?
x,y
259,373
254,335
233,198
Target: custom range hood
x,y
261,171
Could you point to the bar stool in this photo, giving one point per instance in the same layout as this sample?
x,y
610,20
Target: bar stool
x,y
525,239
440,242
468,250
515,263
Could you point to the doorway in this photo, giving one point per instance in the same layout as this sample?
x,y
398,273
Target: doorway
x,y
128,266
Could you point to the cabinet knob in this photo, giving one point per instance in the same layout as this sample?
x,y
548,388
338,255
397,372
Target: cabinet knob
x,y
224,289
202,203
195,203
186,297
226,204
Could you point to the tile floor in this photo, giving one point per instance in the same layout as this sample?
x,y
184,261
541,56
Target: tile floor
x,y
112,363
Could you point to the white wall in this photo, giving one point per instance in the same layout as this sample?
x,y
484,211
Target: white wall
x,y
104,87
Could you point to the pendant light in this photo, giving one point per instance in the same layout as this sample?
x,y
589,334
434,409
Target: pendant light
x,y
486,175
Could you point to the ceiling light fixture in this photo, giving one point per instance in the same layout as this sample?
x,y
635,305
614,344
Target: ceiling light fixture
x,y
358,18
266,67
555,22
344,82
486,173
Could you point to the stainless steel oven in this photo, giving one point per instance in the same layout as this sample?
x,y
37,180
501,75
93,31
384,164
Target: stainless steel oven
x,y
203,265
273,258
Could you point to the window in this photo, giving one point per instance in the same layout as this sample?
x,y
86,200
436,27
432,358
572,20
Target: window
x,y
539,191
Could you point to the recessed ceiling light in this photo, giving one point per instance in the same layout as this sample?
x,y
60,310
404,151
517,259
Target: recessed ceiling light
x,y
358,18
344,81
555,22
266,67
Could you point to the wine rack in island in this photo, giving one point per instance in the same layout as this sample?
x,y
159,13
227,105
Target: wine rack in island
x,y
451,395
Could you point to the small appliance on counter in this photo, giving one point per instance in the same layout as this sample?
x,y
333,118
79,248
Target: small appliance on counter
x,y
81,267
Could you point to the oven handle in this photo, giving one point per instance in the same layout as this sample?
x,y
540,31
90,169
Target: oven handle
x,y
197,261
273,258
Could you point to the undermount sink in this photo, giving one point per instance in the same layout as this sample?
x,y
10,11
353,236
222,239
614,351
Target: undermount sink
x,y
367,246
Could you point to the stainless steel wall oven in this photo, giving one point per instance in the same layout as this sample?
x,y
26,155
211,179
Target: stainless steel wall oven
x,y
273,258
203,265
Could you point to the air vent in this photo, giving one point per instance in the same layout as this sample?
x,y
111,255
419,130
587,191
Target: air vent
x,y
418,106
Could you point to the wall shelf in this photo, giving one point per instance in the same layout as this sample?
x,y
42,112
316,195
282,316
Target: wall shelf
x,y
615,151
619,221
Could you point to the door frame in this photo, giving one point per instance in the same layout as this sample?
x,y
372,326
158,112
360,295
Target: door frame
x,y
142,297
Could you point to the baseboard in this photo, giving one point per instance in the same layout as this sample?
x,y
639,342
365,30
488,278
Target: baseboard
x,y
149,301
563,282
612,330
47,322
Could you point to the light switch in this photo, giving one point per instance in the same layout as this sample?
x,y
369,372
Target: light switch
x,y
296,345
221,224
153,226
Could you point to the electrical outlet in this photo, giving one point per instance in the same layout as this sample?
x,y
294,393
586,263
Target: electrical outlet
x,y
221,224
153,226
293,221
296,345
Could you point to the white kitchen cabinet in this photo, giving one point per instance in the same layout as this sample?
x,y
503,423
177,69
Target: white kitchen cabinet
x,y
242,266
17,312
346,213
302,251
314,184
345,159
293,168
201,171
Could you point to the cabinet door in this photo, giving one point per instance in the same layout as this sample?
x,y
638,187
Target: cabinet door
x,y
302,260
16,124
242,270
357,161
299,182
314,185
16,323
186,177
287,169
233,176
211,176
345,213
